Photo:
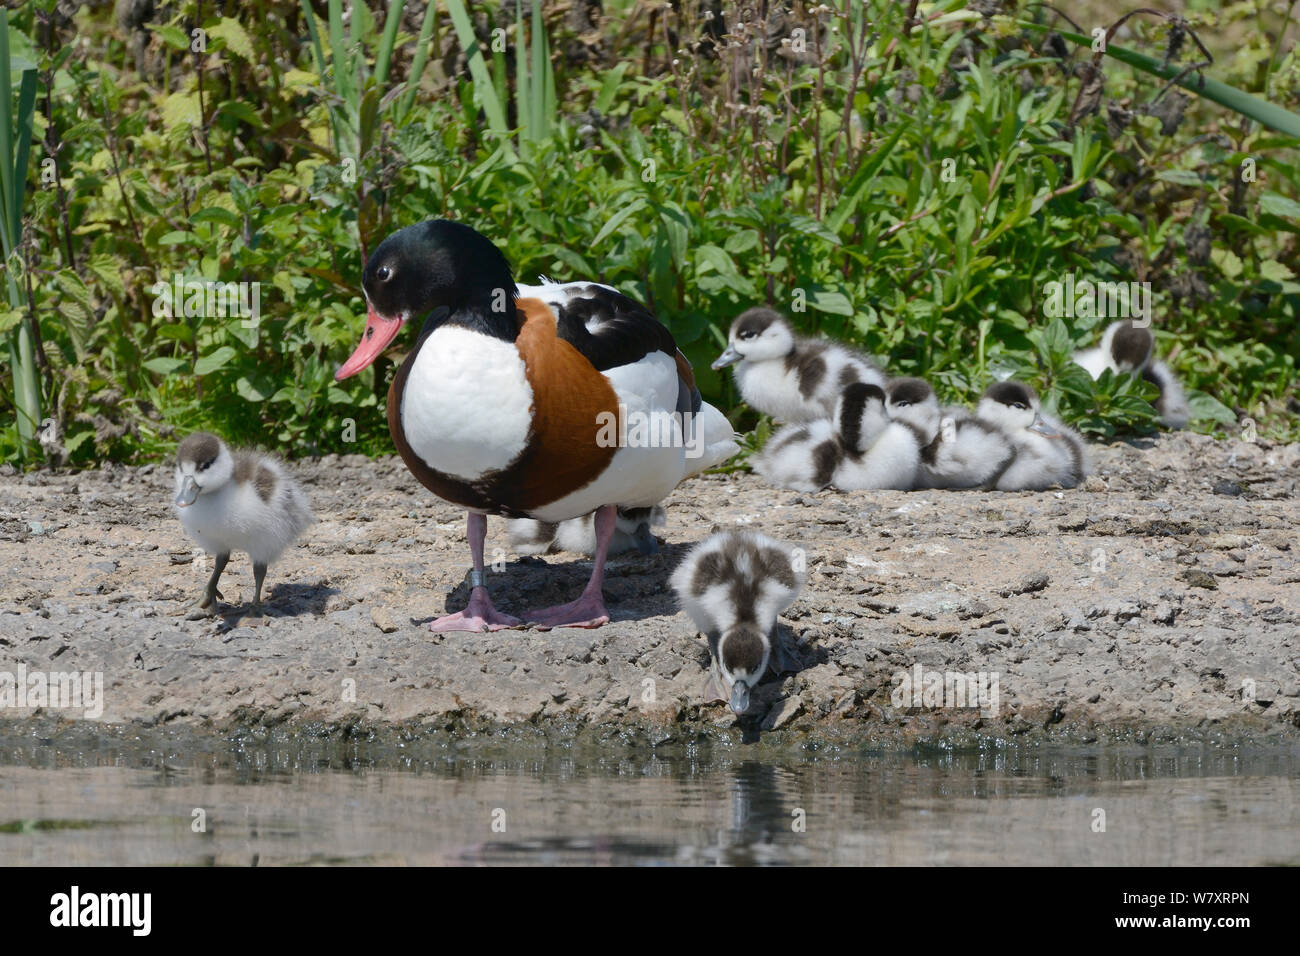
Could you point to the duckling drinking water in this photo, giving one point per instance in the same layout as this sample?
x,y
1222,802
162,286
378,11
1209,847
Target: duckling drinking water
x,y
237,501
733,586
791,378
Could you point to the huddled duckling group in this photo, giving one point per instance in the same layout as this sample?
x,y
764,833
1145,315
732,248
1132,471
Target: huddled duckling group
x,y
845,426
499,411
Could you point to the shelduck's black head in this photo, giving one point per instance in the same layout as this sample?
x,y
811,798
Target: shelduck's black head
x,y
432,265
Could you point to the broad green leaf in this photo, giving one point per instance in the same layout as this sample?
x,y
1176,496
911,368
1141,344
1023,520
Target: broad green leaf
x,y
214,360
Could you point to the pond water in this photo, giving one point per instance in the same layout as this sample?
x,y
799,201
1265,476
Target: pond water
x,y
310,803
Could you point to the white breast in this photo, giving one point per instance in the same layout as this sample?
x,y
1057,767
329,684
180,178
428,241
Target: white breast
x,y
772,389
467,408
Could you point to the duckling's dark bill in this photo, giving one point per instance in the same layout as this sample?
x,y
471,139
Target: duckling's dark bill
x,y
380,331
189,491
729,357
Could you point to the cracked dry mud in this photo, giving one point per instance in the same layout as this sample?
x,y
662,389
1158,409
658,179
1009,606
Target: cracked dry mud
x,y
1161,601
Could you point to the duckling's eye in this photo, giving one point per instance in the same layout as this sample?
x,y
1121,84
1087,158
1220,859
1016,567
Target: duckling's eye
x,y
1020,405
204,466
383,273
901,404
748,335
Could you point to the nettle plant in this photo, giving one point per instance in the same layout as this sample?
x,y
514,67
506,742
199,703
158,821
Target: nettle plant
x,y
907,179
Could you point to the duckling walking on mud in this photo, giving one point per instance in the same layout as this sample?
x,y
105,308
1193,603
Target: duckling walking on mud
x,y
236,501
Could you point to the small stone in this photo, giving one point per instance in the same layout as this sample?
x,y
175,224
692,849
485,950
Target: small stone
x,y
1030,584
382,619
782,712
1095,483
1198,579
1230,488
1164,613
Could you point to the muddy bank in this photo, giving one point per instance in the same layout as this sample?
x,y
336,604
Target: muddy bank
x,y
1162,601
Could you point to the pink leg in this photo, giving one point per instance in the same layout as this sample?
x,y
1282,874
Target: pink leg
x,y
589,610
480,615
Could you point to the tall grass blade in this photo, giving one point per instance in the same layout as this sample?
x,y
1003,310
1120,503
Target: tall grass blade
x,y
484,92
418,60
15,148
1239,101
392,21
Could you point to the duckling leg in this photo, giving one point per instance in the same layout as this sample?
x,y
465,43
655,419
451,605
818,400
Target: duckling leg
x,y
479,615
259,575
210,593
589,610
207,605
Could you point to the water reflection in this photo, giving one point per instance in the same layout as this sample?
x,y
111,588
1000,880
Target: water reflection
x,y
309,802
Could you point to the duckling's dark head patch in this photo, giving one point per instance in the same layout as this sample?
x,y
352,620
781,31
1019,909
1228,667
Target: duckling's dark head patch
x,y
1130,346
909,391
742,651
200,450
1011,394
754,322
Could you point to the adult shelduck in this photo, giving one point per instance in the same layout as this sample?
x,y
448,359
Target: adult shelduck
x,y
547,402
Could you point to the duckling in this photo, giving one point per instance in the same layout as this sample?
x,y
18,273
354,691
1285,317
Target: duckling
x,y
632,529
733,586
879,452
859,449
237,501
960,451
1047,452
1128,348
1171,407
791,378
802,457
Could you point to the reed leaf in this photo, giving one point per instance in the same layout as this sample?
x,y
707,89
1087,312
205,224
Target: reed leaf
x,y
484,92
1252,107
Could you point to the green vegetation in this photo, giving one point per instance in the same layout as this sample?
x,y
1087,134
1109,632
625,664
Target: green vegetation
x,y
906,177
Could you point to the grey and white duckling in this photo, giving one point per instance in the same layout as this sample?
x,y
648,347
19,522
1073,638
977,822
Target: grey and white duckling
x,y
1047,452
1130,349
961,451
801,457
787,376
879,452
858,449
633,529
237,501
733,586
